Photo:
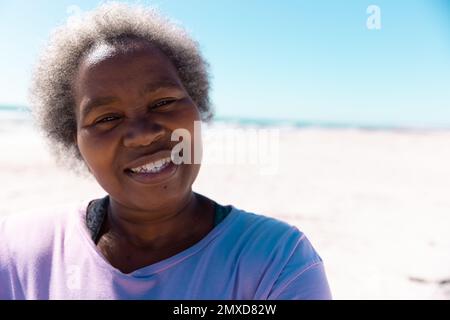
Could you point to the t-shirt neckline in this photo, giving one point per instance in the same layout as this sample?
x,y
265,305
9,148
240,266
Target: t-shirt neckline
x,y
157,266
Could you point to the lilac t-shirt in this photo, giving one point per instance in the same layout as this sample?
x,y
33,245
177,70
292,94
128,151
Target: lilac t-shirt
x,y
247,256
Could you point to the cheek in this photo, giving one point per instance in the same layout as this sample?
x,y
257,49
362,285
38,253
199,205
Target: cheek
x,y
189,120
196,149
98,154
96,151
192,123
197,144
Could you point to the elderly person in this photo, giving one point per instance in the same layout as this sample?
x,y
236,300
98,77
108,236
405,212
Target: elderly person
x,y
108,92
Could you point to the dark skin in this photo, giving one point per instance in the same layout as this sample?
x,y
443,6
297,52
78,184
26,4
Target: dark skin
x,y
146,223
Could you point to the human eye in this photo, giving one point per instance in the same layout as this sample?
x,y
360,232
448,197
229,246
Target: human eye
x,y
163,103
106,119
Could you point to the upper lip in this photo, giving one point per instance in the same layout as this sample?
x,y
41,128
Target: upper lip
x,y
148,158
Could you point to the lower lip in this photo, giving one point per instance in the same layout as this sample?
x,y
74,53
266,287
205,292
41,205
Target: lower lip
x,y
154,177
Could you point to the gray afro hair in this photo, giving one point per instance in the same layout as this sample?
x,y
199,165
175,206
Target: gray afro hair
x,y
51,97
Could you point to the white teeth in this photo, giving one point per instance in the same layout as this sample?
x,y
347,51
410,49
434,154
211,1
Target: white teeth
x,y
152,167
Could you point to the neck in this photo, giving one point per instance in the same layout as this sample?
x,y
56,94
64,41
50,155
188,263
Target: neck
x,y
157,228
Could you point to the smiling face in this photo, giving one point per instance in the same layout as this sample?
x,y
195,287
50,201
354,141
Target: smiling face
x,y
128,103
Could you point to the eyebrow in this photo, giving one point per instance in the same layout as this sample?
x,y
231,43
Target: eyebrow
x,y
163,84
150,88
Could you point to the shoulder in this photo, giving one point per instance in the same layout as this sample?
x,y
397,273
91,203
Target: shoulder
x,y
266,231
29,242
271,239
28,233
281,254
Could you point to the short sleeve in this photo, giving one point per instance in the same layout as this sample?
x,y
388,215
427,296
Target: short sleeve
x,y
4,264
299,280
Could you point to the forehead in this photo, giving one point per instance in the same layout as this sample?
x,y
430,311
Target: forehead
x,y
106,68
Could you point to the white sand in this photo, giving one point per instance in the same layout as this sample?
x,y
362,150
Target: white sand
x,y
375,204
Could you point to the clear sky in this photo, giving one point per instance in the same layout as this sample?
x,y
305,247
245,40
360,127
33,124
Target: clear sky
x,y
312,60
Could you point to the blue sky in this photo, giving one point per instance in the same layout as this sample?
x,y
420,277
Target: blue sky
x,y
309,60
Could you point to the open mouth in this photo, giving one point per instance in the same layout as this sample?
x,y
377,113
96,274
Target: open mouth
x,y
152,172
151,167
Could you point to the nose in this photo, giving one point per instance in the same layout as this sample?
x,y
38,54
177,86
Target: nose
x,y
142,132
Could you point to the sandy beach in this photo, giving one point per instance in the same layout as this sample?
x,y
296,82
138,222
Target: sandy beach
x,y
375,203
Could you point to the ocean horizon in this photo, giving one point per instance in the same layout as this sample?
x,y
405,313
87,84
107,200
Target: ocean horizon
x,y
14,114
